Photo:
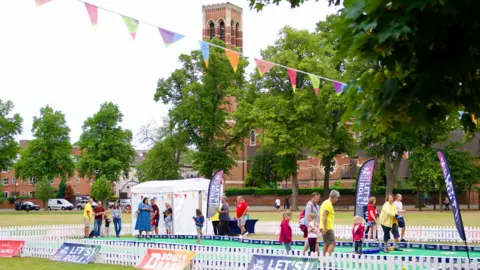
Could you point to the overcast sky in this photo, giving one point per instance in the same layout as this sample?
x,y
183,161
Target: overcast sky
x,y
50,55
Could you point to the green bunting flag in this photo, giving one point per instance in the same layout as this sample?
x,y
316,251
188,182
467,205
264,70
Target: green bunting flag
x,y
132,25
315,82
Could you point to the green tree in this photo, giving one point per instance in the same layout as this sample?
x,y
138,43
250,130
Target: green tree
x,y
102,189
10,125
160,162
44,191
61,189
200,99
106,146
264,171
49,155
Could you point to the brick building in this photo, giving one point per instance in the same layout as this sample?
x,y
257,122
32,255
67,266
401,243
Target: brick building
x,y
223,21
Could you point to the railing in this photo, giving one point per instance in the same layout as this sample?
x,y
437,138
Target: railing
x,y
220,258
437,234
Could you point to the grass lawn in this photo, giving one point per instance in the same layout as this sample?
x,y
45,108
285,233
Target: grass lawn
x,y
44,264
414,218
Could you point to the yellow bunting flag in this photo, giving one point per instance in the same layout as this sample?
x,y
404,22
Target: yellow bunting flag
x,y
475,120
234,58
292,74
41,2
263,66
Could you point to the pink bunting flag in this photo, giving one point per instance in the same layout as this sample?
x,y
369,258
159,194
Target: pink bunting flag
x,y
185,195
263,66
93,14
292,74
41,2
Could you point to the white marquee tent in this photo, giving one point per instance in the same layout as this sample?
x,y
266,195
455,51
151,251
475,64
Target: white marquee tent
x,y
184,196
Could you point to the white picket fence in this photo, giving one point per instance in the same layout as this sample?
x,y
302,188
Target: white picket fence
x,y
224,258
342,232
413,233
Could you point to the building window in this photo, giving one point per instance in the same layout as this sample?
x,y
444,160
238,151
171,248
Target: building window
x,y
78,193
5,181
5,194
51,181
232,33
237,35
14,181
78,180
90,180
32,194
212,30
23,193
222,31
32,180
253,138
69,179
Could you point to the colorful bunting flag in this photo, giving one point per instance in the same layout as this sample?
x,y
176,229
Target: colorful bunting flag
x,y
193,195
41,2
168,196
177,195
263,66
315,83
292,74
93,14
132,25
205,48
169,37
185,195
234,58
475,120
339,87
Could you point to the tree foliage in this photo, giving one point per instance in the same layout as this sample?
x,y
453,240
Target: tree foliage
x,y
264,171
200,101
44,191
160,162
61,189
10,125
101,188
48,155
106,146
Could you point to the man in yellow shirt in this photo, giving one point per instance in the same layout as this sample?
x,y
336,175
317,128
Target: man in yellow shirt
x,y
327,219
389,223
87,216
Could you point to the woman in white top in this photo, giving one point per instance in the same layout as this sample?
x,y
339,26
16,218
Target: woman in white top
x,y
277,203
400,211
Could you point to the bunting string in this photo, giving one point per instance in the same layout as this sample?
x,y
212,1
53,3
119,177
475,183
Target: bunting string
x,y
170,37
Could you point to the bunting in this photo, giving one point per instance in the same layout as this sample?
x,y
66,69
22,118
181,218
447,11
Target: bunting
x,y
292,74
263,66
168,196
234,58
41,2
339,87
315,83
205,48
475,120
132,25
93,14
169,37
177,195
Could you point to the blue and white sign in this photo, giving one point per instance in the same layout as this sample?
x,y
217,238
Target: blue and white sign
x,y
269,262
76,253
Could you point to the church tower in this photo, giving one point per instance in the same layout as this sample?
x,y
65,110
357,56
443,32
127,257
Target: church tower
x,y
223,21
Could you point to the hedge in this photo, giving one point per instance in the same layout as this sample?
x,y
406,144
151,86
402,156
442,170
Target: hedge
x,y
306,191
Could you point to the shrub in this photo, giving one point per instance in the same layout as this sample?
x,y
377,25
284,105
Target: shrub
x,y
11,199
24,197
307,191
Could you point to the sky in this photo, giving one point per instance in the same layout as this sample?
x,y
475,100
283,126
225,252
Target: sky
x,y
51,55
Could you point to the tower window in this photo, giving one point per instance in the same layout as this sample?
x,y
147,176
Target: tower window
x,y
222,31
232,34
253,138
212,30
237,34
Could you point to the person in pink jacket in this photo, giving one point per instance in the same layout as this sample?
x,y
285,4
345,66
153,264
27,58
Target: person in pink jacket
x,y
286,231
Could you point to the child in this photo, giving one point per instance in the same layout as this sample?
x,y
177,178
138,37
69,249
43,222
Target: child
x,y
199,220
358,233
312,232
372,219
168,221
286,231
107,225
154,223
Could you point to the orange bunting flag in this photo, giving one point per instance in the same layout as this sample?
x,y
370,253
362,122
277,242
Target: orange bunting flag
x,y
263,66
292,74
168,195
475,120
234,58
93,14
41,2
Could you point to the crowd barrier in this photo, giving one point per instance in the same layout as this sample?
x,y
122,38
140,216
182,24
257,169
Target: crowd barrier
x,y
439,234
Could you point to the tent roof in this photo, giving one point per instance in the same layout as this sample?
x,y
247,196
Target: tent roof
x,y
167,186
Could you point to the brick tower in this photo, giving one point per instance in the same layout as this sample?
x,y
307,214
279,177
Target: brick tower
x,y
223,21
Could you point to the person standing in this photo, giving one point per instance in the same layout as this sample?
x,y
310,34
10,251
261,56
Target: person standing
x,y
242,209
144,218
99,211
400,219
155,216
311,207
117,218
168,209
87,217
277,204
387,219
372,219
286,231
446,202
327,221
358,233
199,220
286,203
216,220
224,217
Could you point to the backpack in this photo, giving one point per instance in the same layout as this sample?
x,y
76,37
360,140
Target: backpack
x,y
302,215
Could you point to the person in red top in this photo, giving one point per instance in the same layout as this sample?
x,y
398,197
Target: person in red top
x,y
358,233
286,231
372,219
242,209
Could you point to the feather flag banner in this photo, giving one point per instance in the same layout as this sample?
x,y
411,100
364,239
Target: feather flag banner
x,y
263,66
205,48
234,58
93,14
41,2
132,25
292,74
339,87
169,37
315,82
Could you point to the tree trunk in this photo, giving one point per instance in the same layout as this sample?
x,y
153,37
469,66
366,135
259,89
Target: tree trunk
x,y
294,192
468,201
419,202
388,173
326,181
440,199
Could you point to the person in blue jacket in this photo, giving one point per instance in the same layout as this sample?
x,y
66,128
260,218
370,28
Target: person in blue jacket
x,y
199,221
